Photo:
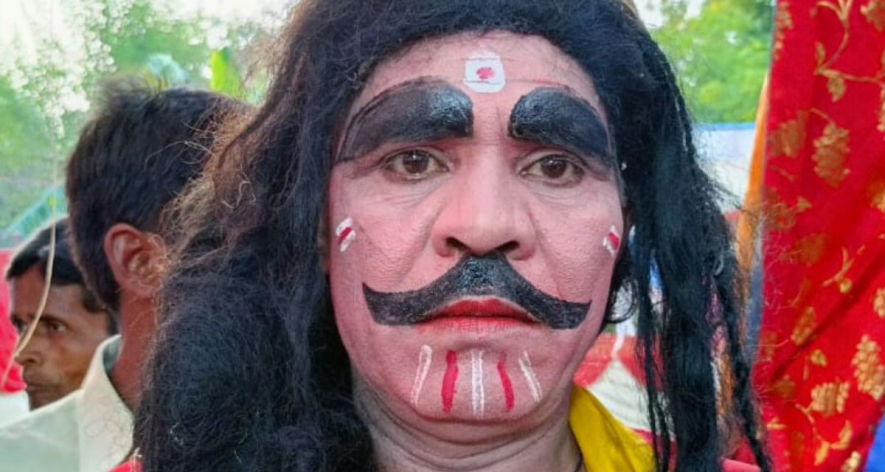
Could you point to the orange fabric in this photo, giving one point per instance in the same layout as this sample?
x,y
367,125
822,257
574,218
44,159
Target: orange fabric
x,y
820,369
599,356
748,223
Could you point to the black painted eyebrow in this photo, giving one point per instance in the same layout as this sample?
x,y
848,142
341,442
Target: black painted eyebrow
x,y
418,110
557,117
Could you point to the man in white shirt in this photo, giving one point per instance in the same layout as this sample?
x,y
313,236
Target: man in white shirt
x,y
88,430
133,157
71,325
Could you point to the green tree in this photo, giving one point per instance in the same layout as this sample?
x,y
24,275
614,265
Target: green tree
x,y
721,56
25,150
38,125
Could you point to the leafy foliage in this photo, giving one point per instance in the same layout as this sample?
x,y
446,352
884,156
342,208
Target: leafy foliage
x,y
43,99
721,55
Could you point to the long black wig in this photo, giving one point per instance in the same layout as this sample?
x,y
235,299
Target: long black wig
x,y
249,373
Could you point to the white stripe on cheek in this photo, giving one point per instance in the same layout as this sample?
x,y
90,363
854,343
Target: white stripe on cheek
x,y
345,234
612,241
525,365
424,358
479,394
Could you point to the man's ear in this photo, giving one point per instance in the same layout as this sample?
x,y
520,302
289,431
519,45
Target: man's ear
x,y
135,258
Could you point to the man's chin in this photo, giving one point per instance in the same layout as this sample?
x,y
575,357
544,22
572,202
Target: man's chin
x,y
42,396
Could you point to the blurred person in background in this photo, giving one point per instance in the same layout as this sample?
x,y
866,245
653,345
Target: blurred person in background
x,y
72,324
134,156
13,398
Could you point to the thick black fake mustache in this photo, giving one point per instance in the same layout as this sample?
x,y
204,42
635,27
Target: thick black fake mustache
x,y
485,276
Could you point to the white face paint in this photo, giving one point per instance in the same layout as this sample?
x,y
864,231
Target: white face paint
x,y
345,234
612,241
525,364
484,73
424,359
476,382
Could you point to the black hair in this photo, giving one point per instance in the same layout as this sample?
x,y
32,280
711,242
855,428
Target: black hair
x,y
35,253
135,155
249,372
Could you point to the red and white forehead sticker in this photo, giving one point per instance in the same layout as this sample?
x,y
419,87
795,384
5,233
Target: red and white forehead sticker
x,y
612,241
484,73
345,234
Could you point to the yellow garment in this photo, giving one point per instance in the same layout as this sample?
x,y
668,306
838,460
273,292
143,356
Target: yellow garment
x,y
606,444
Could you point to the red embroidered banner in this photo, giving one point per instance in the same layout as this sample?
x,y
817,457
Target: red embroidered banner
x,y
820,366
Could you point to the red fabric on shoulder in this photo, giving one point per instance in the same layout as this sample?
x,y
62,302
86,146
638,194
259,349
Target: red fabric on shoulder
x,y
8,338
132,465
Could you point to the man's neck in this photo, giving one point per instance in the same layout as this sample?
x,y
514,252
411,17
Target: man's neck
x,y
137,326
402,447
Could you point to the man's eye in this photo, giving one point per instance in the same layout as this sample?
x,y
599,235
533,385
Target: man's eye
x,y
19,326
558,170
55,326
414,165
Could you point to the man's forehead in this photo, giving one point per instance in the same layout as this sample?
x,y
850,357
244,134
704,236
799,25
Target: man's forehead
x,y
527,61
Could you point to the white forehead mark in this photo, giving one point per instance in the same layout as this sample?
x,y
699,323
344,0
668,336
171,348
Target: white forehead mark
x,y
484,73
345,234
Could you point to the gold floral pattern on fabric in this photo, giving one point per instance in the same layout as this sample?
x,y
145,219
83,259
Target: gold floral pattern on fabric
x,y
881,125
829,398
783,21
784,388
801,295
874,12
829,155
779,215
789,137
818,358
807,250
836,87
821,365
840,279
876,192
825,447
775,424
804,327
868,369
852,464
879,302
767,345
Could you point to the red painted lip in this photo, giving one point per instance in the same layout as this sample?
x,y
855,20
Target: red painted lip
x,y
482,315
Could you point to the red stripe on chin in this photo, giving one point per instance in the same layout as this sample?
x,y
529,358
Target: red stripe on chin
x,y
509,400
449,379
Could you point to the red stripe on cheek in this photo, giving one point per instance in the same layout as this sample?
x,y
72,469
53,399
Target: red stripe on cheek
x,y
449,379
505,383
614,238
344,234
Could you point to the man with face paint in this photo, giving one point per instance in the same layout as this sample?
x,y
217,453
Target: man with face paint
x,y
418,237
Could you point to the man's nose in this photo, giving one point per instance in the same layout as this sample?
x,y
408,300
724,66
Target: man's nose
x,y
31,354
485,212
